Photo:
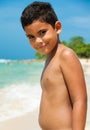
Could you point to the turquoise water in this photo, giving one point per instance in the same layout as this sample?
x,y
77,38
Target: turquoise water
x,y
14,72
20,89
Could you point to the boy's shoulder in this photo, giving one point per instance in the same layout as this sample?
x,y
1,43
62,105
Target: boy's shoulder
x,y
68,60
66,53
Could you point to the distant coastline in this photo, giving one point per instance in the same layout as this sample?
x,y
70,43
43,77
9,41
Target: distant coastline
x,y
21,60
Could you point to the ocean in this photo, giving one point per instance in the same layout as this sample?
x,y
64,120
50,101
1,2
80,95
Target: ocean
x,y
20,89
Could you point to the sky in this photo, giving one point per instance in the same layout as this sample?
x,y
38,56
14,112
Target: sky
x,y
73,14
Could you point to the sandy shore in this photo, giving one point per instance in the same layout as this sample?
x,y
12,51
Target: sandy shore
x,y
29,121
86,67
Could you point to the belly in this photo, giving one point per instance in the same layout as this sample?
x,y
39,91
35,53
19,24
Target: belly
x,y
55,116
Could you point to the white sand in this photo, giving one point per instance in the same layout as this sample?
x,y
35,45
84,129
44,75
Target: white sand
x,y
28,121
86,67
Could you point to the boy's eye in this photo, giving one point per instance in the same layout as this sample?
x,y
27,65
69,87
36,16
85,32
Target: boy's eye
x,y
30,37
42,32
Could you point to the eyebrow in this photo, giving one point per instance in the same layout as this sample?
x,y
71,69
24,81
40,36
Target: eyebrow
x,y
41,30
29,35
37,32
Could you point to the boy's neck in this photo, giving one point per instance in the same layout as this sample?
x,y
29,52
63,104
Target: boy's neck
x,y
49,56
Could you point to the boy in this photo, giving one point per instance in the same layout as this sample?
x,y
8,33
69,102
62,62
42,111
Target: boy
x,y
64,99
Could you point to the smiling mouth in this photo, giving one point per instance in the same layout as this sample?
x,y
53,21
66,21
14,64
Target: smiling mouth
x,y
43,45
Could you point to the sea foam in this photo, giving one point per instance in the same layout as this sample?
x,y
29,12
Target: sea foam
x,y
18,99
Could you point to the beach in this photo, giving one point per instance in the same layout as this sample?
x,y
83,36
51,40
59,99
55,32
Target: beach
x,y
86,67
28,121
26,112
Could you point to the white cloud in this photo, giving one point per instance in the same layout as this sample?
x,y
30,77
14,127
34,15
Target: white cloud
x,y
80,21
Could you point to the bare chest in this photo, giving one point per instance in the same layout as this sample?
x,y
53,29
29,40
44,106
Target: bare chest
x,y
52,76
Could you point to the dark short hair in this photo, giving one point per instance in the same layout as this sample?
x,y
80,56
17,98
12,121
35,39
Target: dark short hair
x,y
42,11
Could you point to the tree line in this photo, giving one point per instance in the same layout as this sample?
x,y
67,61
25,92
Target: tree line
x,y
77,43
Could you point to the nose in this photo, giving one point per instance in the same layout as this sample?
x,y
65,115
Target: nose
x,y
38,40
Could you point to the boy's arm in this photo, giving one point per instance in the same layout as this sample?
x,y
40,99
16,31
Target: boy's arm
x,y
74,78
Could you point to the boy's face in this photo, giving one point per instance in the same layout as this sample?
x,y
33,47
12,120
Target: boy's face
x,y
42,36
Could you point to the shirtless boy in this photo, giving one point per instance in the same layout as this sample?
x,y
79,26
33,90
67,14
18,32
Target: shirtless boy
x,y
64,99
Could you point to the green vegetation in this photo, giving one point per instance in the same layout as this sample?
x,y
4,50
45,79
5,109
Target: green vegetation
x,y
78,44
39,56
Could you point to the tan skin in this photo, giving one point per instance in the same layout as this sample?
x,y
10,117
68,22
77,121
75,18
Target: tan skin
x,y
64,99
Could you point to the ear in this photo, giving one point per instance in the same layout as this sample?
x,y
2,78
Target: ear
x,y
58,27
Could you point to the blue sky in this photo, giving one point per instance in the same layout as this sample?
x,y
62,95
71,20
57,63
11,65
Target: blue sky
x,y
73,14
